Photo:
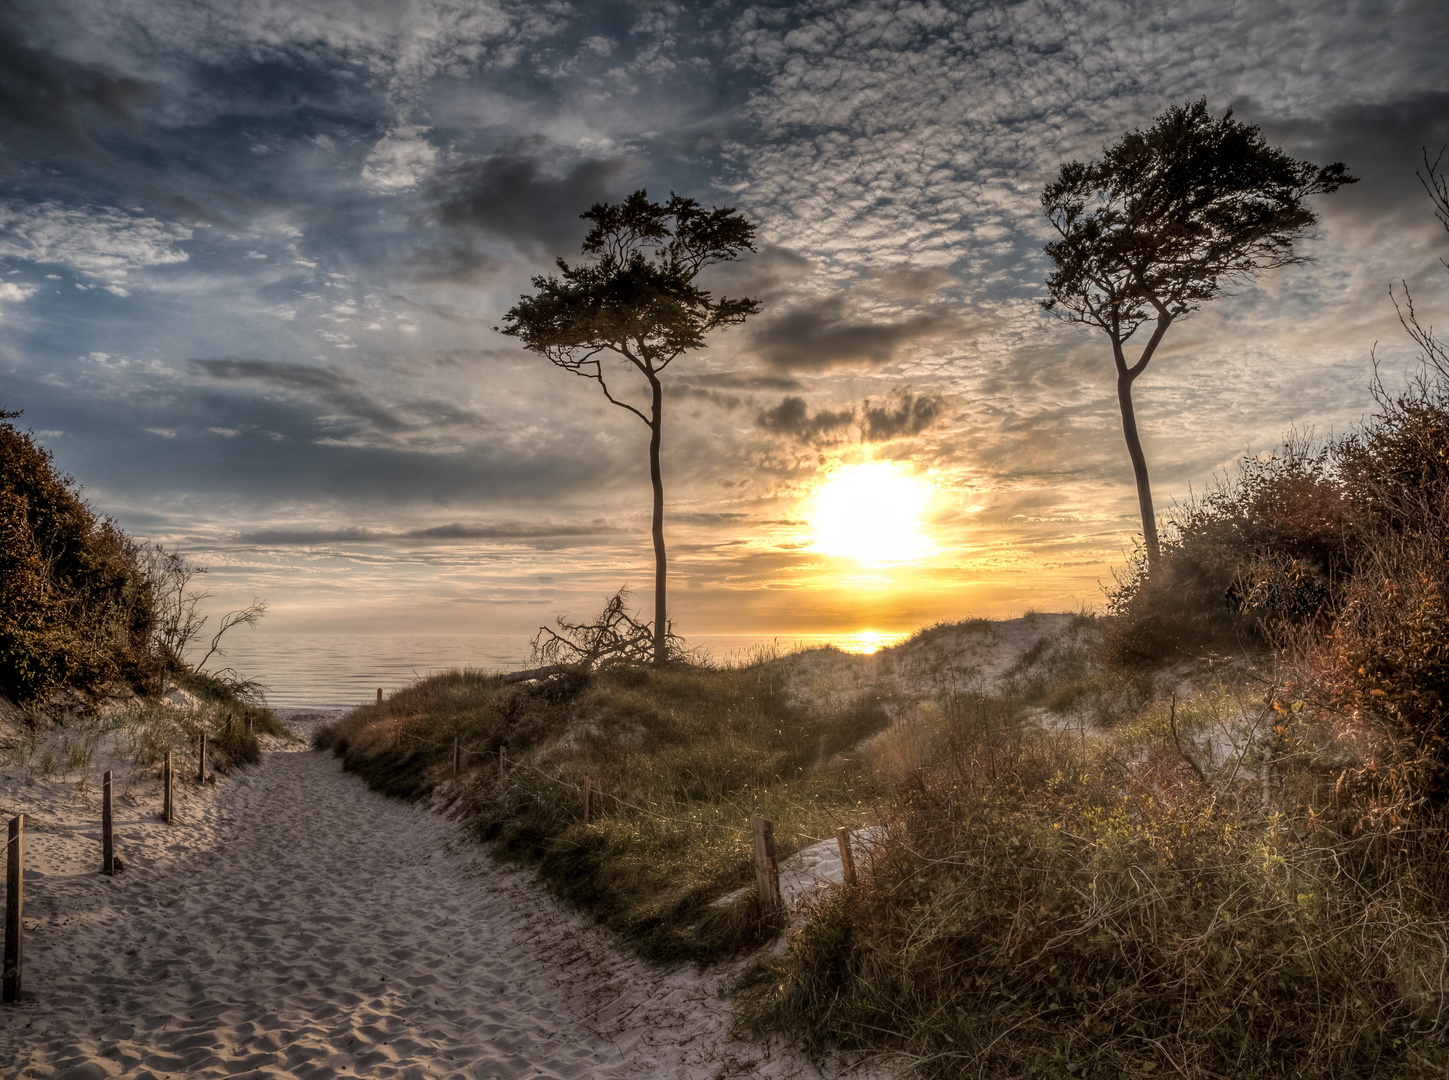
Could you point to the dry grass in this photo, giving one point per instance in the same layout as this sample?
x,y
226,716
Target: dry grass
x,y
1047,904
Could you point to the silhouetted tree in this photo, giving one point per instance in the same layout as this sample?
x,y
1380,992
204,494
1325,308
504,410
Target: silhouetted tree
x,y
1164,222
637,301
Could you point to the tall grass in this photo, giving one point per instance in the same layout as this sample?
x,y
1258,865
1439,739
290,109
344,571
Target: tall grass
x,y
1045,904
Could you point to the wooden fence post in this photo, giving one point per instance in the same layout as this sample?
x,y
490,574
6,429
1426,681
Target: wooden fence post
x,y
228,723
588,799
457,755
14,887
249,723
767,870
502,762
108,847
201,761
847,857
379,695
166,807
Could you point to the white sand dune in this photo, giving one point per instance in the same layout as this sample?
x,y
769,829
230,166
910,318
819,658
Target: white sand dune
x,y
294,924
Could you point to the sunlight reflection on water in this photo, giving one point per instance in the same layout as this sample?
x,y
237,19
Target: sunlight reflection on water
x,y
334,671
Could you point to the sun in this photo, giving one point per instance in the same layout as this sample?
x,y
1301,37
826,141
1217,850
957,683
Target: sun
x,y
871,513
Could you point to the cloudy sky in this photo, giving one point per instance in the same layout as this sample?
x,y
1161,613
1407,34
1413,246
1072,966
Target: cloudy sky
x,y
251,253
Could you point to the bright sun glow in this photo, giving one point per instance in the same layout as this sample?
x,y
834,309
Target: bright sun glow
x,y
871,513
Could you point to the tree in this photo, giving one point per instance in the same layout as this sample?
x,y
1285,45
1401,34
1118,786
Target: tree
x,y
637,301
1166,221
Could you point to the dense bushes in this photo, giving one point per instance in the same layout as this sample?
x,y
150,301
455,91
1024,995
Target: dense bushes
x,y
77,608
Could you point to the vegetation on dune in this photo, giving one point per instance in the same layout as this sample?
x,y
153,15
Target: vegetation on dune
x,y
1046,905
89,616
680,757
77,609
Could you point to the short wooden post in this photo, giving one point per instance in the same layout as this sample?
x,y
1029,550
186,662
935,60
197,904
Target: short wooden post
x,y
847,857
108,847
201,761
249,724
588,799
228,723
457,756
767,870
14,886
379,695
502,762
166,808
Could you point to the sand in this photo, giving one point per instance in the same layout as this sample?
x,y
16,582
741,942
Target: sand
x,y
293,923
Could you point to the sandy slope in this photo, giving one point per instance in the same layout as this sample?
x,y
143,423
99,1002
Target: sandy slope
x,y
292,923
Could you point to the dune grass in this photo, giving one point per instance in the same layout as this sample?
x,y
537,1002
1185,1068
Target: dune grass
x,y
680,759
1045,904
69,743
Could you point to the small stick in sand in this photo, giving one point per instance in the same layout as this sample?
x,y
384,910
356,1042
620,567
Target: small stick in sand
x,y
767,870
166,808
457,756
588,799
108,847
201,761
14,886
847,857
228,723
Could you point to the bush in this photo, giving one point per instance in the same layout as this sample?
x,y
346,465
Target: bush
x,y
77,608
1264,546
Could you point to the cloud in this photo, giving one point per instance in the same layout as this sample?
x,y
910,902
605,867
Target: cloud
x,y
101,242
400,160
16,291
52,98
514,531
514,198
350,412
823,335
901,414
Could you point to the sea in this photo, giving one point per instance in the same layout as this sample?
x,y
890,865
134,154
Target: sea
x,y
338,671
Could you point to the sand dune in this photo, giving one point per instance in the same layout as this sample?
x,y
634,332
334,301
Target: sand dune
x,y
293,923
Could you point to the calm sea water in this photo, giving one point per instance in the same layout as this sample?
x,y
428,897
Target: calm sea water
x,y
335,671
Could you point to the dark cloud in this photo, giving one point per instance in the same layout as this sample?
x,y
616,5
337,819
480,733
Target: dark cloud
x,y
915,282
820,336
518,532
453,263
905,413
792,417
51,98
902,414
514,198
352,407
1382,143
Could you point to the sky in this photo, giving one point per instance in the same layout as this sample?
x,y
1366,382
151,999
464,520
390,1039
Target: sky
x,y
252,252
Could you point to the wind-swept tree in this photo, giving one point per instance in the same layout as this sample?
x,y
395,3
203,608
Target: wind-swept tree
x,y
636,303
1166,221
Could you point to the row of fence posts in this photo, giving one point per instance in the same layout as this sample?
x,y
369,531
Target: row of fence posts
x,y
767,866
15,863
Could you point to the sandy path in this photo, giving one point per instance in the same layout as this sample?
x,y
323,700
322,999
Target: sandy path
x,y
293,923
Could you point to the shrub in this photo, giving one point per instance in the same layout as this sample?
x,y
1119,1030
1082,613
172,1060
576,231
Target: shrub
x,y
77,608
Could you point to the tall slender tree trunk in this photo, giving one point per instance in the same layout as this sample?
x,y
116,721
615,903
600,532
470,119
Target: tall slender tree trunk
x,y
1139,467
656,430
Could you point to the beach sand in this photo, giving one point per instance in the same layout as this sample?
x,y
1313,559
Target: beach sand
x,y
293,923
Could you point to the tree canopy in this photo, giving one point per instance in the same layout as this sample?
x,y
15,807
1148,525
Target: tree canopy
x,y
1167,220
637,300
